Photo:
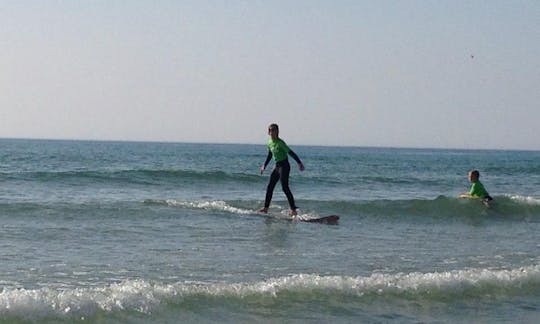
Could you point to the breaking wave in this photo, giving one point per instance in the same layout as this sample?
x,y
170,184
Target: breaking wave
x,y
148,297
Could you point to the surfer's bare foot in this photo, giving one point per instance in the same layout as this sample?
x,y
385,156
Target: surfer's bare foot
x,y
263,210
293,212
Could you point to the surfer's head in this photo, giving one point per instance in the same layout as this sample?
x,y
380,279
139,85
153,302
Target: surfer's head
x,y
273,130
474,175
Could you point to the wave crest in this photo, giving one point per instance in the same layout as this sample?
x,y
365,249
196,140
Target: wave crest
x,y
146,297
446,208
218,205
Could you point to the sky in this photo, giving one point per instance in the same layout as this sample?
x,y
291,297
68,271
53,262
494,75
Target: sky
x,y
435,74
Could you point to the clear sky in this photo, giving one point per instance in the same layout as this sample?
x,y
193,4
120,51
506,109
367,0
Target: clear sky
x,y
448,74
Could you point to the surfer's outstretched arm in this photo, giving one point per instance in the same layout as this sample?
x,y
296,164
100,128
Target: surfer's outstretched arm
x,y
268,158
297,159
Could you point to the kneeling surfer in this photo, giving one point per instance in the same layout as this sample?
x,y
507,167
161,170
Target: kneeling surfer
x,y
477,188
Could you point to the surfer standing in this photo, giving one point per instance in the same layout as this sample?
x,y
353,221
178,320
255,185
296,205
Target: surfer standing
x,y
279,150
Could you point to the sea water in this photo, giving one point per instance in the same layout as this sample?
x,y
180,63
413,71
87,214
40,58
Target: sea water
x,y
160,232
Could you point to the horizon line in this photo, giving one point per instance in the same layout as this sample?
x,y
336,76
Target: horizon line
x,y
262,144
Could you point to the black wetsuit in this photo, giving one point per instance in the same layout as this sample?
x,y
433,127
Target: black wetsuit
x,y
280,173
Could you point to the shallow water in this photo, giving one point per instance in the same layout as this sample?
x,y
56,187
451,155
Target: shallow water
x,y
147,232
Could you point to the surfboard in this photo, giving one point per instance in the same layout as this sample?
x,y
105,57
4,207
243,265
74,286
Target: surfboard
x,y
485,201
330,219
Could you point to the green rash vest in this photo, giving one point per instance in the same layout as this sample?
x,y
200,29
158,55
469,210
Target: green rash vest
x,y
279,149
478,190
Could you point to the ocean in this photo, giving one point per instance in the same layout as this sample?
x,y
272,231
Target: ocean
x,y
109,232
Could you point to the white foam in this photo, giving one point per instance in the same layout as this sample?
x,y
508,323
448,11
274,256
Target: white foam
x,y
143,296
135,295
525,199
218,205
